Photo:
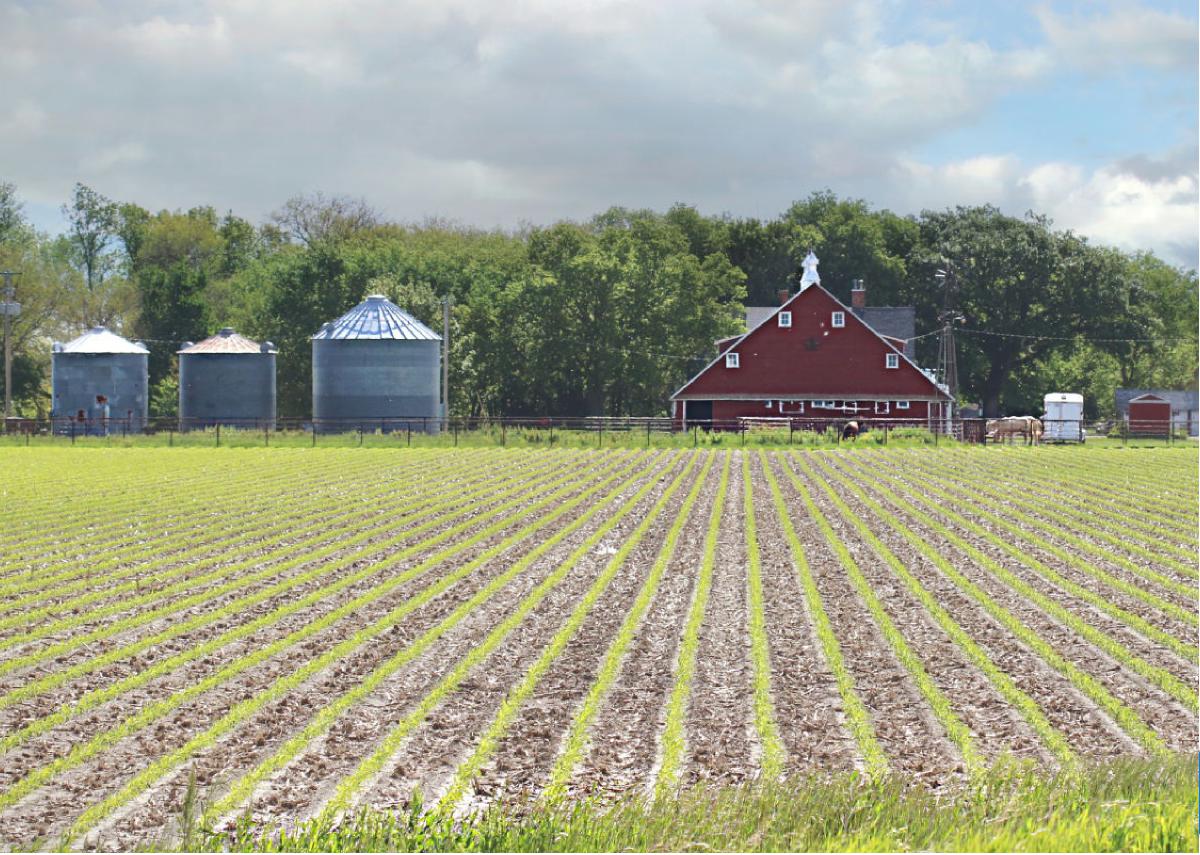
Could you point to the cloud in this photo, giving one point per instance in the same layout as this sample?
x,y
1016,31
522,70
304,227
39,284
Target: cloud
x,y
499,113
1131,203
1125,35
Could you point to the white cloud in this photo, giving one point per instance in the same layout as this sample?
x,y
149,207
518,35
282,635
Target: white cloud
x,y
106,159
1123,35
1155,203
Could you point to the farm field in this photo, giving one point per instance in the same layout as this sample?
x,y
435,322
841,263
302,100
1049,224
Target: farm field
x,y
300,633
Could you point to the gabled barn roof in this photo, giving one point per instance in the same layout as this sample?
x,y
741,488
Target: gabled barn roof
x,y
914,377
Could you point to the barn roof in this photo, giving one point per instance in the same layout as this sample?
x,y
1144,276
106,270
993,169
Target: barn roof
x,y
377,317
101,340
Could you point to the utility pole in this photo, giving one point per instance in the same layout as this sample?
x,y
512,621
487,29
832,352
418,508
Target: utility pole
x,y
446,360
10,309
947,367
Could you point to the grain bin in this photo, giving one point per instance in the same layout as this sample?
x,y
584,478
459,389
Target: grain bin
x,y
376,367
227,379
100,364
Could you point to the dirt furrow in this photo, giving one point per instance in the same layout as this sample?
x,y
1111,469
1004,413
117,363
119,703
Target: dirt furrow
x,y
1169,718
1090,731
722,746
324,762
904,724
528,750
996,726
808,707
626,732
55,804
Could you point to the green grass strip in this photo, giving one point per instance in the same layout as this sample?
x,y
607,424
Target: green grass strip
x,y
1133,621
577,736
325,718
766,726
1003,683
304,558
282,686
516,698
858,720
1126,718
106,693
973,495
958,733
674,735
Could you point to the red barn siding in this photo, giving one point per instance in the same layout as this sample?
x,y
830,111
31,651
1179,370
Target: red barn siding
x,y
812,359
1150,417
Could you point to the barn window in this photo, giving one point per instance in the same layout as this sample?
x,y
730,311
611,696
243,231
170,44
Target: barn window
x,y
882,407
839,319
731,360
785,319
902,405
893,360
768,405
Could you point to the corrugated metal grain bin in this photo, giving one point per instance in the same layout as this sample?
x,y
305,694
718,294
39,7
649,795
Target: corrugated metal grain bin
x,y
228,380
102,377
376,367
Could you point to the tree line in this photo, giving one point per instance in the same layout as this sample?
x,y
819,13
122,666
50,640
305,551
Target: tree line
x,y
603,317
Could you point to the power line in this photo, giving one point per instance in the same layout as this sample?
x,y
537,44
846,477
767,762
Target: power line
x,y
1078,338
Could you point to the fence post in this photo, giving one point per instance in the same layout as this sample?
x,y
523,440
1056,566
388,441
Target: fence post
x,y
72,433
360,436
695,437
314,434
935,436
409,429
503,434
647,433
266,434
170,438
218,436
743,433
885,434
791,428
600,436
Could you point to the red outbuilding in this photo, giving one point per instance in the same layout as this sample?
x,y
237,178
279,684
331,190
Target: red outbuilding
x,y
811,359
1149,415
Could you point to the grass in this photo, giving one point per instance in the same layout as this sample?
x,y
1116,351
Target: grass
x,y
1125,806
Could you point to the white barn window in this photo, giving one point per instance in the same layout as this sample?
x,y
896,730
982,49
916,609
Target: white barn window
x,y
882,407
893,360
731,360
839,319
785,319
902,405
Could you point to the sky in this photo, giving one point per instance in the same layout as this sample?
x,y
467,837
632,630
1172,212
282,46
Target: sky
x,y
500,114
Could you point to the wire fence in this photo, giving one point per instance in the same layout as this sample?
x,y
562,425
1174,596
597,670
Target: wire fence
x,y
584,431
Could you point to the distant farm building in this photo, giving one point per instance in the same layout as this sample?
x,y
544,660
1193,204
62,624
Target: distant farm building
x,y
813,358
1150,410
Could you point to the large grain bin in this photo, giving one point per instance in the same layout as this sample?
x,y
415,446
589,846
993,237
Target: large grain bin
x,y
102,377
376,367
227,380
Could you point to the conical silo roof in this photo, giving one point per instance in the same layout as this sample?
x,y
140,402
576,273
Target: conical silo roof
x,y
377,317
228,341
101,340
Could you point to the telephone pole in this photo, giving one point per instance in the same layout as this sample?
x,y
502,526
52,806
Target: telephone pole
x,y
10,309
446,362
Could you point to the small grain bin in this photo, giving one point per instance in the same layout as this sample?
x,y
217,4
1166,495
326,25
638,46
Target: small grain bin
x,y
376,368
227,379
100,382
1149,415
1063,421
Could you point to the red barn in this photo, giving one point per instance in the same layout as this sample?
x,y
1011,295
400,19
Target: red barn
x,y
811,358
1149,415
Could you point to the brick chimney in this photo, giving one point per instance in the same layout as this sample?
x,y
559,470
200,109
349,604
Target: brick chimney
x,y
783,295
858,294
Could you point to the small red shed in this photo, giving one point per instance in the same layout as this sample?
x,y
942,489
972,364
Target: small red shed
x,y
811,359
1149,415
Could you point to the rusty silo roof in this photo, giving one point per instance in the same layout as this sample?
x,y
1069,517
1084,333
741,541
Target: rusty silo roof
x,y
227,341
377,317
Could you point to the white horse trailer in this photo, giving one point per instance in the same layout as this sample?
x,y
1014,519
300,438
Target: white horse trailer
x,y
1063,421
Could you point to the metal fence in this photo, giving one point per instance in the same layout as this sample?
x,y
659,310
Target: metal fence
x,y
597,430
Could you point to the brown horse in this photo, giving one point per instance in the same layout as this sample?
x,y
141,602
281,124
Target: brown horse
x,y
850,431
